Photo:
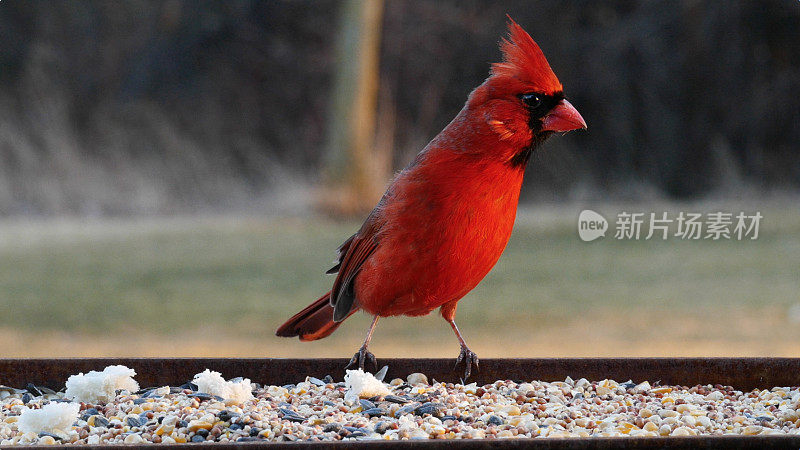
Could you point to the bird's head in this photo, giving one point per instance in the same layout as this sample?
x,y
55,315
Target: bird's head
x,y
522,101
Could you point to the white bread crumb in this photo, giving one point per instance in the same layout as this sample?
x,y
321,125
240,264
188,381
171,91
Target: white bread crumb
x,y
51,417
100,387
362,384
212,383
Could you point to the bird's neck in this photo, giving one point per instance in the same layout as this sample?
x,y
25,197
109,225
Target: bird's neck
x,y
474,136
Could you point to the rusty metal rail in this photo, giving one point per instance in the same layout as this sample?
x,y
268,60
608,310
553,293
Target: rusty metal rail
x,y
741,373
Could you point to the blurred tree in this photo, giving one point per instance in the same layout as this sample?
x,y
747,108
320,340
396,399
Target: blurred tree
x,y
355,174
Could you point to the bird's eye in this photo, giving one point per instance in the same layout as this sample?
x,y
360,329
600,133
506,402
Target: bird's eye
x,y
532,100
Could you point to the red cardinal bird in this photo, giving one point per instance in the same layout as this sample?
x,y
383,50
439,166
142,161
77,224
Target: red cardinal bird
x,y
446,218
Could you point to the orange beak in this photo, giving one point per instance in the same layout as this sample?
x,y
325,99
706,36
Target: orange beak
x,y
564,117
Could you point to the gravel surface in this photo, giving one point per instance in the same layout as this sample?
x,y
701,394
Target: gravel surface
x,y
316,409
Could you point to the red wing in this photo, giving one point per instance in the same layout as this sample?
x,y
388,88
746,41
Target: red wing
x,y
352,255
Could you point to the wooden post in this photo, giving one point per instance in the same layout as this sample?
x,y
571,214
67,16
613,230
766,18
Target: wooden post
x,y
353,176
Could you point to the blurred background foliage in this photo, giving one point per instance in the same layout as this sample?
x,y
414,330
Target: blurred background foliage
x,y
163,107
161,161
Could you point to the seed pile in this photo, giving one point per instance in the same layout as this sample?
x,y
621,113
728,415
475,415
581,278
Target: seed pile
x,y
316,409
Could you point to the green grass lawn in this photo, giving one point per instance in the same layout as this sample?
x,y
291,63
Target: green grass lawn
x,y
226,284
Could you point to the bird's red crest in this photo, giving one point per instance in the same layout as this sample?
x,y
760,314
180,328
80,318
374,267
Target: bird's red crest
x,y
524,60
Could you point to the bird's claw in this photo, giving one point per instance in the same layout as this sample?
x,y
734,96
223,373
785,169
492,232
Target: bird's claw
x,y
470,358
362,355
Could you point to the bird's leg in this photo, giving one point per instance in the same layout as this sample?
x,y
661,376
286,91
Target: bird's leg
x,y
468,356
363,354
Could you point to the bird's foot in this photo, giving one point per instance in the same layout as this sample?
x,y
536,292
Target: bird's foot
x,y
362,355
470,358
